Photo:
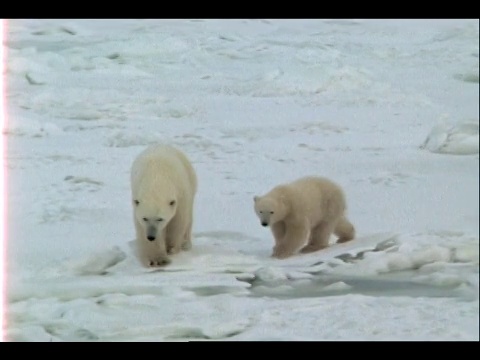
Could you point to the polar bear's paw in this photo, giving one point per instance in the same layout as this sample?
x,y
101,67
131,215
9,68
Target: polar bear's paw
x,y
173,250
159,261
187,245
281,253
312,248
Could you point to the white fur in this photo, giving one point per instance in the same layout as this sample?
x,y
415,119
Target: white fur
x,y
306,211
164,185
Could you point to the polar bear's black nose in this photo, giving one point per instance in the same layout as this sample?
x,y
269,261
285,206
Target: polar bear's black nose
x,y
264,224
151,238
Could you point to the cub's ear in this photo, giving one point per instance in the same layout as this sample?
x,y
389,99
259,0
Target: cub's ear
x,y
136,202
255,198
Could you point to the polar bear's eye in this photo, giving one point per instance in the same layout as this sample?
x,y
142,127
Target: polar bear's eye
x,y
172,202
159,219
145,219
261,212
271,212
136,202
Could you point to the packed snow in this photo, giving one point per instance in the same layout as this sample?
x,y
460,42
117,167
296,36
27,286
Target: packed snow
x,y
386,108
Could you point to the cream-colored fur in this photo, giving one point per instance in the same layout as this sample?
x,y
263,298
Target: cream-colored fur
x,y
304,213
163,184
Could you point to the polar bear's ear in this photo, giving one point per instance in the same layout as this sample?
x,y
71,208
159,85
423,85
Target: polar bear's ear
x,y
136,202
255,198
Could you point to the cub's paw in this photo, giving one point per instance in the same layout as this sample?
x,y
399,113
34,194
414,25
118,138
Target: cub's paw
x,y
280,254
311,248
344,240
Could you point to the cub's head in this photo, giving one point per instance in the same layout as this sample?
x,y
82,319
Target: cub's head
x,y
269,209
154,214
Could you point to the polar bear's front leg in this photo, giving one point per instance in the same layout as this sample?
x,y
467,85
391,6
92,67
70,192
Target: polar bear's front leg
x,y
295,236
176,234
187,242
278,231
152,253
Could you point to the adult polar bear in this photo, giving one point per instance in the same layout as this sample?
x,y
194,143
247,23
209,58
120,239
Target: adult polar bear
x,y
305,211
164,185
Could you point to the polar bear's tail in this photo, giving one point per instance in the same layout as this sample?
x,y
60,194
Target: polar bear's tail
x,y
344,230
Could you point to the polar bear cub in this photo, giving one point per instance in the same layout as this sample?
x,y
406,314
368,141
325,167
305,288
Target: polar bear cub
x,y
304,212
163,185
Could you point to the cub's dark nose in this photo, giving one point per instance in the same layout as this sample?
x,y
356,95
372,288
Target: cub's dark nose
x,y
264,224
151,238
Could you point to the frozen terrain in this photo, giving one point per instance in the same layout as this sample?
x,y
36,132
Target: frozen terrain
x,y
388,109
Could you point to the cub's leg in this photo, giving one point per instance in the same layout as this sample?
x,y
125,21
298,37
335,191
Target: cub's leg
x,y
319,237
344,230
296,235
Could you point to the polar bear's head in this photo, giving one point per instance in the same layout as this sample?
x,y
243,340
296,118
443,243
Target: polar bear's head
x,y
153,214
269,209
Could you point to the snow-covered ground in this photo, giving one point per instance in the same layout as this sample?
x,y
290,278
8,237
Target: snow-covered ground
x,y
386,108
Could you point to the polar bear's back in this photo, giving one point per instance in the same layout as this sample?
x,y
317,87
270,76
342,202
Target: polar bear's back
x,y
314,184
314,194
159,164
